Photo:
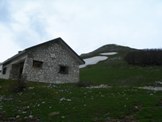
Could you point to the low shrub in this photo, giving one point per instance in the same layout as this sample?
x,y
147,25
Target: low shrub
x,y
20,85
147,57
84,84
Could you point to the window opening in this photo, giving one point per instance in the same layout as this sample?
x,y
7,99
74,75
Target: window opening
x,y
63,69
37,64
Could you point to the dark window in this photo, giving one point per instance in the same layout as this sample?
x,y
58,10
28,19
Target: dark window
x,y
63,69
4,70
37,64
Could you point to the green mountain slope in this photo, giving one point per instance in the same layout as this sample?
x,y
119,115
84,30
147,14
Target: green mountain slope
x,y
122,101
115,71
108,48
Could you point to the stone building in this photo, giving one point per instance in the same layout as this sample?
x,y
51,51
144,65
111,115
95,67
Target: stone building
x,y
53,62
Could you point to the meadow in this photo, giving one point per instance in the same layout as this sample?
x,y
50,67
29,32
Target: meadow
x,y
120,101
68,102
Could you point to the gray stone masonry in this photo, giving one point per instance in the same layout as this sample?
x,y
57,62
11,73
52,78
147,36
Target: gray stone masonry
x,y
53,56
51,62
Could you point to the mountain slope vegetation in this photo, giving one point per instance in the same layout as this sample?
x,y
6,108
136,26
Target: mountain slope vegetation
x,y
108,92
116,71
108,48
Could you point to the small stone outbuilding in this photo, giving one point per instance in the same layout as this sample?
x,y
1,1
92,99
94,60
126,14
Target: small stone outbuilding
x,y
52,62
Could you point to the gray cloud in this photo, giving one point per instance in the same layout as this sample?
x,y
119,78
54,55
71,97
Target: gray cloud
x,y
84,25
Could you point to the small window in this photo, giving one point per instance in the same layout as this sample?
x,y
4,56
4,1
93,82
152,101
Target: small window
x,y
4,70
37,64
63,69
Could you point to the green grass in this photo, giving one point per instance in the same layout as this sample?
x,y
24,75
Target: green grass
x,y
117,72
79,104
70,103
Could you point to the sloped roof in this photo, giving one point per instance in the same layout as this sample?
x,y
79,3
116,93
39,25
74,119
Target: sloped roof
x,y
21,53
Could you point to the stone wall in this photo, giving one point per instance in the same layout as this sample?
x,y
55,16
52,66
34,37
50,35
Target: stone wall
x,y
8,74
53,56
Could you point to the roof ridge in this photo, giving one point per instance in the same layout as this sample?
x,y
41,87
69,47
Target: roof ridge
x,y
29,48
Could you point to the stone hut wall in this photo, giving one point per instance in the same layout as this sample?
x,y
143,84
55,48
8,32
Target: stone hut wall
x,y
9,70
52,57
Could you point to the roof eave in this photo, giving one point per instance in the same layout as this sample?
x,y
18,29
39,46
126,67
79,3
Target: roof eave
x,y
13,58
81,61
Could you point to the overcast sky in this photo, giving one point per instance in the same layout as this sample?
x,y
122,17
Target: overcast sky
x,y
84,24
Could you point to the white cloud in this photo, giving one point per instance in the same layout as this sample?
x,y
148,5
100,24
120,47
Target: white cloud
x,y
85,25
7,47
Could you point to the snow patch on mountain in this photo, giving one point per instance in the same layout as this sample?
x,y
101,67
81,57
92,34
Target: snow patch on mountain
x,y
93,60
109,53
96,59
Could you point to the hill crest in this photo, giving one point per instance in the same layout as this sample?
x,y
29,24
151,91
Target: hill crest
x,y
108,48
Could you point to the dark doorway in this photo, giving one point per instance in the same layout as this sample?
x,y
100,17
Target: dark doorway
x,y
17,70
21,66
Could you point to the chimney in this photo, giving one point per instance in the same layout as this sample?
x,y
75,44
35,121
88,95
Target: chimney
x,y
19,52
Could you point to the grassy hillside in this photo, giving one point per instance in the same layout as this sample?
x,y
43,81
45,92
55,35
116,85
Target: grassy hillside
x,y
121,101
115,71
119,73
69,103
108,48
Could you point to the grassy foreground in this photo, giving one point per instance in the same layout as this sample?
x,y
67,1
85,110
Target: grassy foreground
x,y
70,103
121,102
